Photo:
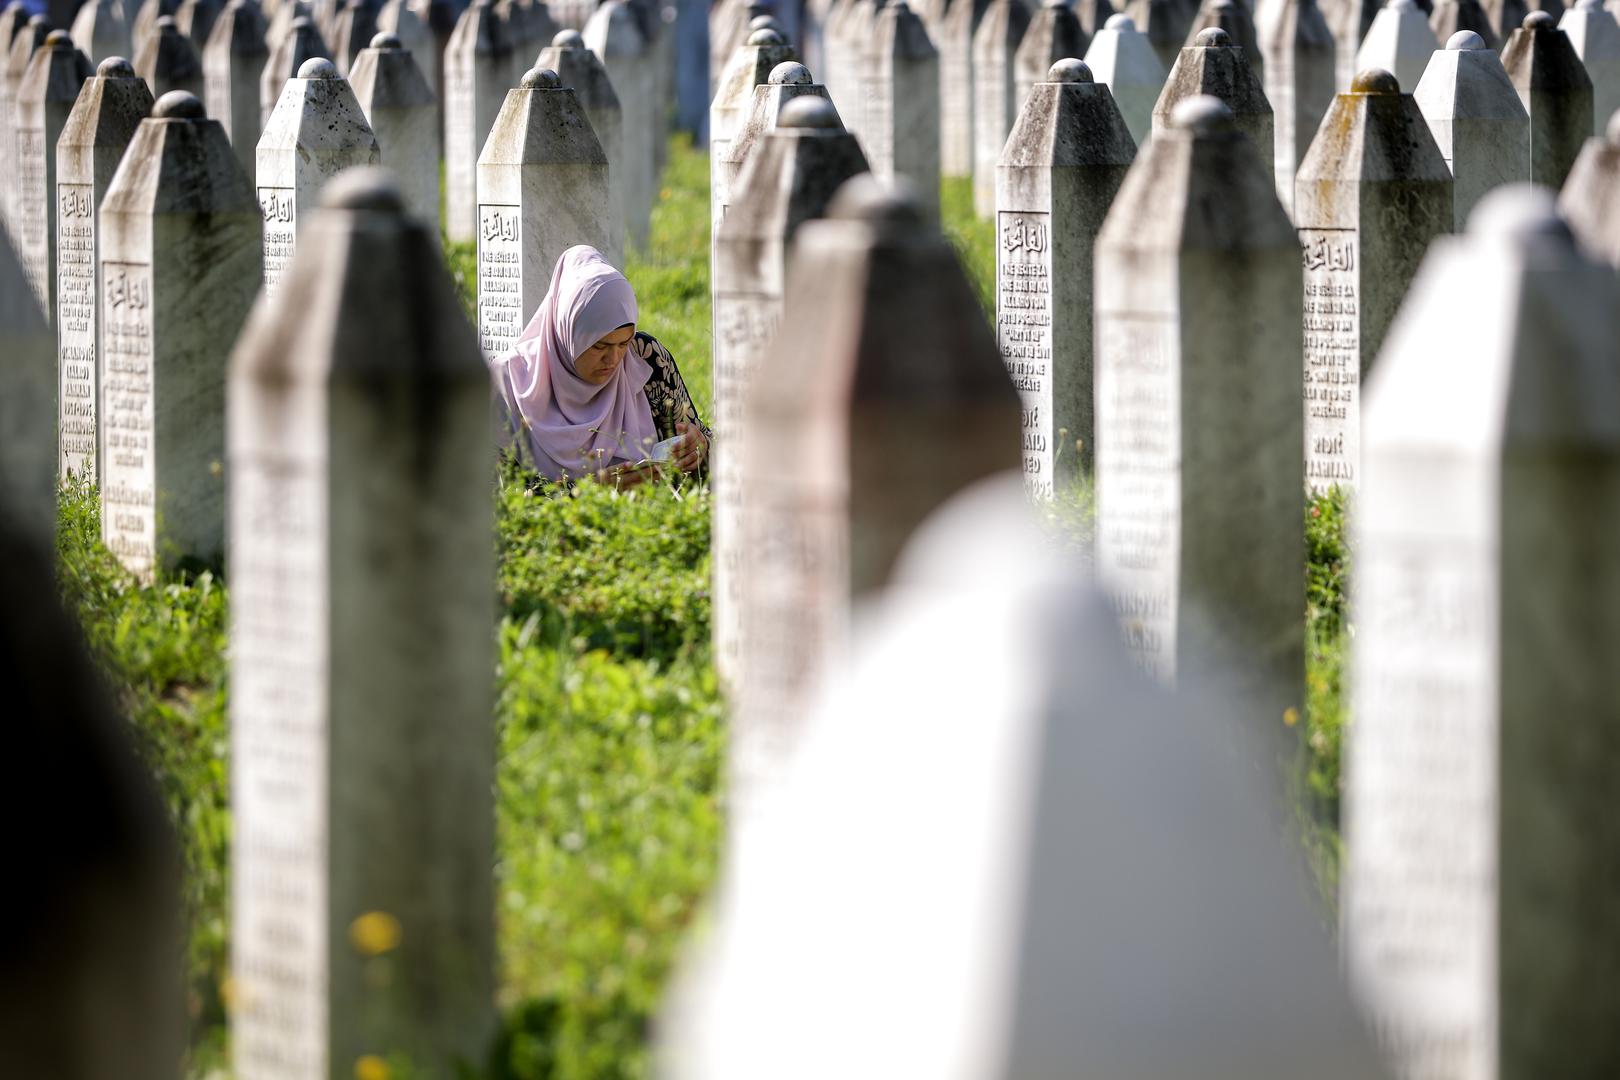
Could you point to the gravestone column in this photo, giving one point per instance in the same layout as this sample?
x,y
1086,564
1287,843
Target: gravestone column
x,y
577,67
179,265
1350,20
1199,534
1054,34
28,41
355,26
100,30
1164,23
1372,192
1557,93
1507,16
995,94
613,35
316,130
788,82
1476,892
196,19
542,189
27,388
233,63
1064,162
750,66
1238,22
1595,37
1121,59
98,130
169,61
956,97
362,756
1477,120
302,44
1451,17
1399,42
1590,201
1299,80
902,104
791,176
45,97
393,93
1214,66
415,37
476,63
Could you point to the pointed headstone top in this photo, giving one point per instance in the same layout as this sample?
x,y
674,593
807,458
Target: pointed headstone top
x,y
1377,80
1540,20
1519,214
809,112
58,39
1588,5
1204,116
115,67
318,67
766,37
1069,70
1402,5
869,200
569,39
386,40
1465,41
541,79
790,73
368,187
179,105
1120,21
764,22
1213,38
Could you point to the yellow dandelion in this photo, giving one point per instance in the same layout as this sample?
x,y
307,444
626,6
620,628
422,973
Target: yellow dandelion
x,y
370,1067
1290,716
374,933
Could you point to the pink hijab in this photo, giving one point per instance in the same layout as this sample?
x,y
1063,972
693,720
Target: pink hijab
x,y
571,427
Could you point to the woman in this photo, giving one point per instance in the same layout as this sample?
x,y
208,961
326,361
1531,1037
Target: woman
x,y
587,394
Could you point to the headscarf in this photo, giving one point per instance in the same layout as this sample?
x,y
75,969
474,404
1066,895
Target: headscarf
x,y
571,427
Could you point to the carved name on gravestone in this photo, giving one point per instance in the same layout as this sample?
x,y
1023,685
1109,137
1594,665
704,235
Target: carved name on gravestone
x,y
361,748
1477,120
1477,883
542,189
104,119
233,64
27,478
1121,59
476,63
44,98
1064,161
179,266
1372,192
316,130
1557,93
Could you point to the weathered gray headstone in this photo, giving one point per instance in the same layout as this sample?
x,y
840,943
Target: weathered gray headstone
x,y
955,44
13,22
1300,78
1506,16
1595,37
787,82
1399,42
1064,162
791,175
45,97
316,130
995,94
1556,92
100,30
352,30
476,63
1477,120
614,36
750,66
179,264
1477,905
279,25
1349,21
542,189
27,42
27,389
1215,66
884,387
1451,17
1121,59
1371,194
1006,928
399,107
196,19
169,61
233,64
1165,23
362,755
902,104
302,44
98,130
1237,21
1054,34
728,28
578,67
416,37
1590,201
143,27
1199,533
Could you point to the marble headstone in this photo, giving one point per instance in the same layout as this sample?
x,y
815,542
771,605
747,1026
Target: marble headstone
x,y
233,64
995,93
613,34
1477,120
787,82
109,108
1477,900
1590,201
302,44
100,30
316,130
1237,21
1371,194
27,389
1399,42
30,38
577,67
1121,59
400,108
362,757
1054,34
179,264
169,61
901,113
542,189
45,97
476,64
1300,78
1214,66
397,17
954,41
1595,37
1199,534
750,66
1063,164
1556,92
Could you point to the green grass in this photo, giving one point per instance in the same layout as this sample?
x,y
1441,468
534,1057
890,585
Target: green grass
x,y
609,721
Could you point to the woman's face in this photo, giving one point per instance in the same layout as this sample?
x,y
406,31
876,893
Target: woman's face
x,y
597,364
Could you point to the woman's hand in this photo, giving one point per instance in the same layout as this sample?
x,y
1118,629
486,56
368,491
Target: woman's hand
x,y
692,449
625,477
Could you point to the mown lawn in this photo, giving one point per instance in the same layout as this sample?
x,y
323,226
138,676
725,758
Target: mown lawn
x,y
609,723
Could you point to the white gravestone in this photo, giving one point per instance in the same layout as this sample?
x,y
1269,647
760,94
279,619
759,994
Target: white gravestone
x,y
316,130
302,44
1590,201
476,63
98,130
100,30
1006,928
1300,78
169,61
902,104
750,66
27,388
578,68
28,41
1451,17
1595,37
792,173
884,387
1121,59
995,94
1399,42
1238,22
233,64
1199,531
1477,907
1054,34
1371,194
362,758
955,44
179,266
787,82
399,106
416,37
45,97
1215,66
1557,93
1064,162
542,189
613,35
1477,120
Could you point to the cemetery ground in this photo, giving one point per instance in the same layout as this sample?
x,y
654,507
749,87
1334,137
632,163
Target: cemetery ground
x,y
610,723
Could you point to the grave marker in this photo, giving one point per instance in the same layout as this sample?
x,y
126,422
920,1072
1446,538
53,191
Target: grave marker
x,y
400,109
1557,93
1054,34
28,41
44,98
196,19
1235,19
1595,37
144,26
995,94
1299,80
1590,201
98,130
1477,120
27,387
1121,59
1451,17
577,67
233,63
1165,23
1064,161
901,111
614,36
169,61
415,37
476,63
1400,42
1506,16
787,82
302,44
179,265
352,30
100,30
956,97
1214,66
1349,21
750,66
